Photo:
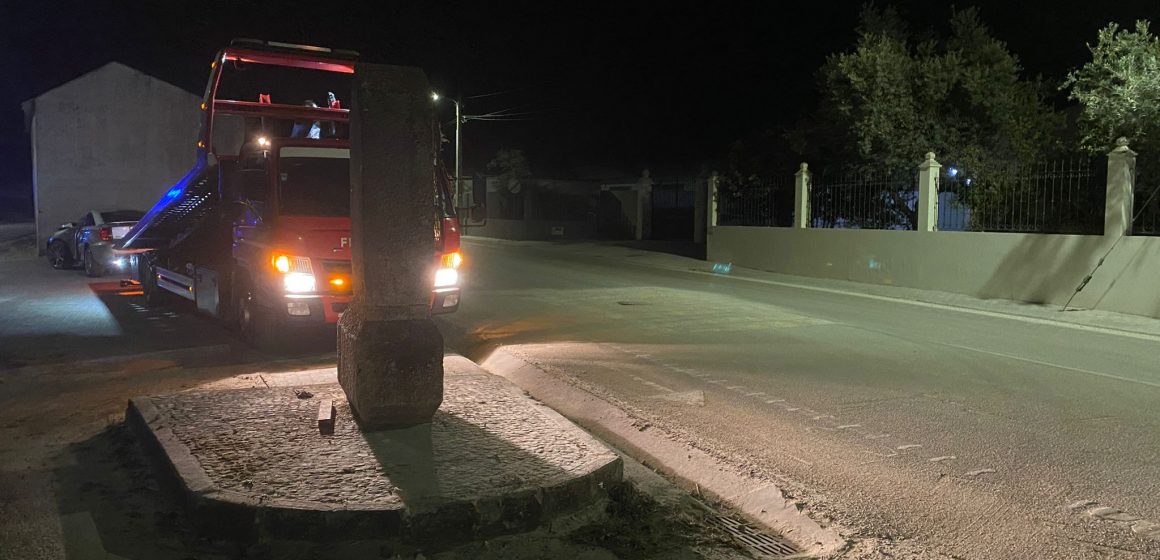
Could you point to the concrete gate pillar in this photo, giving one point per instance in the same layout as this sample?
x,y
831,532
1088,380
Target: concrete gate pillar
x,y
927,208
801,197
390,355
644,206
1121,195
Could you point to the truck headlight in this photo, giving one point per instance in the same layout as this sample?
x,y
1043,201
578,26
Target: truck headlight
x,y
298,282
446,277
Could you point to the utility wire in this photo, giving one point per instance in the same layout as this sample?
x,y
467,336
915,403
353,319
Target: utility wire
x,y
494,93
1088,278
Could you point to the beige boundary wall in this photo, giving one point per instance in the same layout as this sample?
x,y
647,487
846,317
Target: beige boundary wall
x,y
1037,268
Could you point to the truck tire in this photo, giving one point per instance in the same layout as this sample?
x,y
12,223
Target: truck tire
x,y
59,256
257,324
93,268
147,275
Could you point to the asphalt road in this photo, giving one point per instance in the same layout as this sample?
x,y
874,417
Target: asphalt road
x,y
966,434
74,485
60,316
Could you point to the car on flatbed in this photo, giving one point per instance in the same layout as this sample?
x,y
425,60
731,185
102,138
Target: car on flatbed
x,y
90,241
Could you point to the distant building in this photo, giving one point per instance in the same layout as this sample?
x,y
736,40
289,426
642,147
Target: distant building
x,y
112,139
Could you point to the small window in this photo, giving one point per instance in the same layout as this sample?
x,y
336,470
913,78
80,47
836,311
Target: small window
x,y
87,220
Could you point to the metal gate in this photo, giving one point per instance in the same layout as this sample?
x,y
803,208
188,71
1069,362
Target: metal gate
x,y
673,209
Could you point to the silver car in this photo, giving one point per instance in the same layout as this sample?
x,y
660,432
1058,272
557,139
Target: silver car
x,y
89,241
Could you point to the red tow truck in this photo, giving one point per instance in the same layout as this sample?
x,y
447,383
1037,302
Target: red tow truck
x,y
258,232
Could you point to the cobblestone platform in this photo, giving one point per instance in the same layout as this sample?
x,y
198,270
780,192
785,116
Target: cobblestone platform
x,y
252,461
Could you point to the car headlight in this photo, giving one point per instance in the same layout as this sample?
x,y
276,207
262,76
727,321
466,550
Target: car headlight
x,y
298,282
446,277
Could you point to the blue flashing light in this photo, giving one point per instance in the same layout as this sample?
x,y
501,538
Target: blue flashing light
x,y
173,192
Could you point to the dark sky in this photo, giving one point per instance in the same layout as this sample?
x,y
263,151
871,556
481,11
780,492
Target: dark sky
x,y
619,85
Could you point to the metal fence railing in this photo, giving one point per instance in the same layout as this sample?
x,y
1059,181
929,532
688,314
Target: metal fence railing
x,y
884,199
1060,196
1146,207
1147,210
768,204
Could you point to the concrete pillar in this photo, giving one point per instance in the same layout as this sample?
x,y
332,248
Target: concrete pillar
x,y
644,206
1121,182
713,186
801,197
390,355
700,212
928,174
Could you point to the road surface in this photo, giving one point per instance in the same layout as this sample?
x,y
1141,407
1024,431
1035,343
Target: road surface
x,y
968,434
73,484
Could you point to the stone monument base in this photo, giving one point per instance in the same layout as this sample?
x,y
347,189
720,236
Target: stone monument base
x,y
251,462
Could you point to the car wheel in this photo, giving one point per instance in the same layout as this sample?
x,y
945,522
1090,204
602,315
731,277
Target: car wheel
x,y
58,256
93,268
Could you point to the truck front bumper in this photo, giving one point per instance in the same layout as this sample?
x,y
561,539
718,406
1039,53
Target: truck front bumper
x,y
308,310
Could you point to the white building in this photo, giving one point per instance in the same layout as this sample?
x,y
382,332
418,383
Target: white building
x,y
112,139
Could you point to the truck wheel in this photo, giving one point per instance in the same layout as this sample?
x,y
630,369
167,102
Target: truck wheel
x,y
58,256
93,268
257,325
147,275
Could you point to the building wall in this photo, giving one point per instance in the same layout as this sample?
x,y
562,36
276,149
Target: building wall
x,y
526,230
112,139
1035,268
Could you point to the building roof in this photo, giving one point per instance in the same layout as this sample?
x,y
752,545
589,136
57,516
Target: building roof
x,y
29,105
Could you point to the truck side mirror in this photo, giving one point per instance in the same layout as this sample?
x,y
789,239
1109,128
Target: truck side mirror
x,y
252,184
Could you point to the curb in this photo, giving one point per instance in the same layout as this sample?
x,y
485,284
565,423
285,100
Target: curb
x,y
172,354
759,500
242,517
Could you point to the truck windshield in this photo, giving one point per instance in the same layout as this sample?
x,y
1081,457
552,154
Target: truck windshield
x,y
314,181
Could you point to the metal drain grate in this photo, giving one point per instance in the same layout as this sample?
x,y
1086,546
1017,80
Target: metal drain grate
x,y
764,544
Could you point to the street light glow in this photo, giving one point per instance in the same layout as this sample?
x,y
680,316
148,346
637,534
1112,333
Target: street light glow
x,y
434,96
953,171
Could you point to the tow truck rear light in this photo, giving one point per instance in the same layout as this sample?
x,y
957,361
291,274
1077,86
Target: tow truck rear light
x,y
106,233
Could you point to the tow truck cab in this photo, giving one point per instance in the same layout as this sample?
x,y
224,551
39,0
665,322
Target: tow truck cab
x,y
289,206
258,232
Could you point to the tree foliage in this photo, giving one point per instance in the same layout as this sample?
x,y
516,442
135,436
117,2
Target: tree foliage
x,y
893,98
512,172
1119,90
512,168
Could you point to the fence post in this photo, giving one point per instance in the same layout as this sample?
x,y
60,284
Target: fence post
x,y
801,197
1121,179
644,206
928,193
712,201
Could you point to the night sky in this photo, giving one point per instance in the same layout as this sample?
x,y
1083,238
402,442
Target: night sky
x,y
606,88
